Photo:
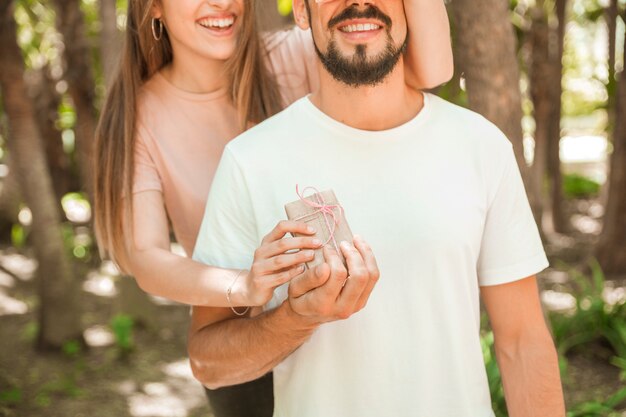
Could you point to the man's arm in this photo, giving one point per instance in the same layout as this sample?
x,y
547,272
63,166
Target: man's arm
x,y
524,349
225,350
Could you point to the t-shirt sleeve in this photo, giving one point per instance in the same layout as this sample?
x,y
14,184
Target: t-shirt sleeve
x,y
146,176
511,247
291,59
227,236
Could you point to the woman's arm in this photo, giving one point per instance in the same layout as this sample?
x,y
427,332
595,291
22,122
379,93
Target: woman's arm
x,y
429,60
160,272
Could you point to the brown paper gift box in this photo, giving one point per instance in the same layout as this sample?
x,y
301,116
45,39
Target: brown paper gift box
x,y
300,211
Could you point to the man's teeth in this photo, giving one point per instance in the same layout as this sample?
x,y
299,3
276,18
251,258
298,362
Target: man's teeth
x,y
217,23
360,27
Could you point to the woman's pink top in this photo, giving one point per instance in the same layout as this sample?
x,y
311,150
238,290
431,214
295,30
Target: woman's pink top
x,y
181,135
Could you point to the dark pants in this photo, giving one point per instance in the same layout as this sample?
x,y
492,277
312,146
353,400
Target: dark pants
x,y
252,399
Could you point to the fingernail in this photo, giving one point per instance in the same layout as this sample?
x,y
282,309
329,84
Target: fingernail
x,y
317,242
344,244
309,253
310,229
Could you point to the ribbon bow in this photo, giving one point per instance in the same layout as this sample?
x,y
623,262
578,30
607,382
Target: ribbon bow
x,y
326,210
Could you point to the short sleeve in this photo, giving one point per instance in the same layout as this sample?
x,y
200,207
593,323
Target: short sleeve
x,y
511,247
227,236
291,58
146,176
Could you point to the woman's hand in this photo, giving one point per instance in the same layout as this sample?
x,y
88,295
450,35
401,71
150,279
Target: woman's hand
x,y
278,260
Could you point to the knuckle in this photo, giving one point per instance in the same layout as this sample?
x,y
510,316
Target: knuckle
x,y
283,245
361,280
278,261
282,226
375,275
360,272
341,272
344,314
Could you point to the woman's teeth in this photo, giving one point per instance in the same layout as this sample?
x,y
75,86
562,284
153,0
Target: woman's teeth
x,y
360,27
217,23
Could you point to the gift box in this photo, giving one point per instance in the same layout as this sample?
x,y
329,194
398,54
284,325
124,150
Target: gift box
x,y
322,211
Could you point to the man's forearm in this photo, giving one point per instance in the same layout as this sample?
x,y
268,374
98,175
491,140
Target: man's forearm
x,y
530,374
239,350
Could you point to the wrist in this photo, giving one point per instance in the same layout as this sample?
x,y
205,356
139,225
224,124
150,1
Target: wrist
x,y
237,285
296,321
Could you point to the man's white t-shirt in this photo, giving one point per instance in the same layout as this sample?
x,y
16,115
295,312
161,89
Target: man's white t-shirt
x,y
441,202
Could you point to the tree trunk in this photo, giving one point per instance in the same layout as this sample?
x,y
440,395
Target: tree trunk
x,y
539,75
110,40
545,90
611,23
46,102
611,250
559,219
59,319
78,73
485,48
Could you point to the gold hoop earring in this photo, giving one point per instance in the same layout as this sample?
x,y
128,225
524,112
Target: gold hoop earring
x,y
154,29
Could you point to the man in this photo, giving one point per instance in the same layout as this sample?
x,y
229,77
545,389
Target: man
x,y
436,191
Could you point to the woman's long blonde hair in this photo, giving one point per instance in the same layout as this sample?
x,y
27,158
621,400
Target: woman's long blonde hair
x,y
253,92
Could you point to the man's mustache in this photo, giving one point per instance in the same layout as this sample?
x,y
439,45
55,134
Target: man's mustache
x,y
352,12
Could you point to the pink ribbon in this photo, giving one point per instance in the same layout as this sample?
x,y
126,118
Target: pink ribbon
x,y
325,209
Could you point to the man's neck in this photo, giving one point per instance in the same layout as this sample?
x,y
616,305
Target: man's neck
x,y
387,105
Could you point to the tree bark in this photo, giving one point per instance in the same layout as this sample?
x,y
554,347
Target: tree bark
x,y
539,75
611,251
485,48
545,87
611,23
78,73
559,220
110,40
59,320
46,102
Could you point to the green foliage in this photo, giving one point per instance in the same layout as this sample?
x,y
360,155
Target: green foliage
x,y
30,331
606,408
498,402
578,186
18,235
65,385
122,326
72,348
11,396
594,319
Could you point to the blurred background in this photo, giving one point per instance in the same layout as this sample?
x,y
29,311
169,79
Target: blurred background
x,y
78,339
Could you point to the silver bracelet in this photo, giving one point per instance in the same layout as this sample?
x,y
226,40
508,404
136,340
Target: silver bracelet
x,y
229,291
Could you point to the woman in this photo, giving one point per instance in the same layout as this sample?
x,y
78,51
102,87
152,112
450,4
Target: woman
x,y
194,74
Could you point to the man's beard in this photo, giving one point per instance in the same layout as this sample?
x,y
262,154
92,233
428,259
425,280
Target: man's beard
x,y
358,70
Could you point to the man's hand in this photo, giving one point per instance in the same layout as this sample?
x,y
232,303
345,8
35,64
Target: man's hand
x,y
331,292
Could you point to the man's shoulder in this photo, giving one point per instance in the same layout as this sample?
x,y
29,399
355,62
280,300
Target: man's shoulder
x,y
467,123
267,134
